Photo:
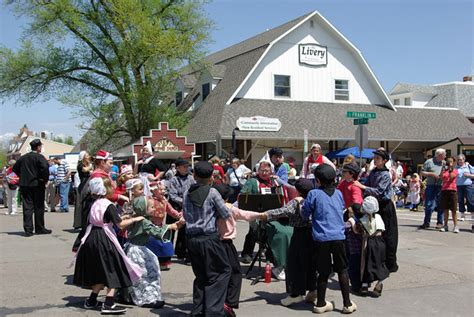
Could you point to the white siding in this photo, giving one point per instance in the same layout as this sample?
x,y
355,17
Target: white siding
x,y
311,83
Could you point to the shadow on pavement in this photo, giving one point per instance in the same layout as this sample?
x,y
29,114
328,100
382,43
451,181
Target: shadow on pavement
x,y
72,230
14,233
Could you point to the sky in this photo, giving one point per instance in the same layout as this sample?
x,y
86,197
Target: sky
x,y
414,41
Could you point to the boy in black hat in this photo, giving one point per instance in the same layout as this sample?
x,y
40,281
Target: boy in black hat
x,y
379,185
178,185
325,205
202,206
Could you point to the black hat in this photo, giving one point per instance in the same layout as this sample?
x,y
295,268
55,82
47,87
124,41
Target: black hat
x,y
225,190
304,186
352,167
275,151
325,173
203,169
180,162
383,154
35,143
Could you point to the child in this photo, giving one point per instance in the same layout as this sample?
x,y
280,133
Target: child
x,y
100,261
414,192
373,246
379,185
202,206
449,193
353,200
163,249
227,233
301,263
147,291
325,205
126,174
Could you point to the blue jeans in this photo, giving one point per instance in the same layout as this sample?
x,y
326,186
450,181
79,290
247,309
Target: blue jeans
x,y
64,194
466,192
432,200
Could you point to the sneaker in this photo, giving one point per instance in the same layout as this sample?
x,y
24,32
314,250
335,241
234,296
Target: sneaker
x,y
328,307
461,217
112,310
279,273
350,309
88,305
311,297
444,229
424,226
456,229
287,301
377,292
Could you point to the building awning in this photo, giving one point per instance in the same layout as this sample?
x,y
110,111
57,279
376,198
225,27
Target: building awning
x,y
328,121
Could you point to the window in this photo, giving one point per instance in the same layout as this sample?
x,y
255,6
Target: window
x,y
341,91
206,88
282,86
396,102
408,101
179,97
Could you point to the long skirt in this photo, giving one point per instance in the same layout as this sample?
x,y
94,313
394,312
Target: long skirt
x,y
375,269
147,290
301,263
390,235
99,262
278,237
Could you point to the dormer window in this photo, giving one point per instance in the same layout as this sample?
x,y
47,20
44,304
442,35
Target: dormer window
x,y
407,101
396,102
206,89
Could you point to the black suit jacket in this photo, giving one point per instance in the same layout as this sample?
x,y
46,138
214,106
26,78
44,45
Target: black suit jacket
x,y
33,170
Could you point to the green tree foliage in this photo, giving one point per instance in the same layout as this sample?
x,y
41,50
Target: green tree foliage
x,y
116,61
68,140
3,158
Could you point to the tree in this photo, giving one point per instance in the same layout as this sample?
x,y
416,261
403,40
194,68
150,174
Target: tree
x,y
117,61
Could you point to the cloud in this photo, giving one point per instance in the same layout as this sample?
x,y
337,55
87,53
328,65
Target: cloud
x,y
5,139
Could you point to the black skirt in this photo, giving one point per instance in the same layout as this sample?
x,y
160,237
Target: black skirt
x,y
375,268
301,262
99,262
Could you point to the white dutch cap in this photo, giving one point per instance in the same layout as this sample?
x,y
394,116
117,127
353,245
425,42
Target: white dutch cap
x,y
149,147
132,183
81,155
97,187
370,205
125,169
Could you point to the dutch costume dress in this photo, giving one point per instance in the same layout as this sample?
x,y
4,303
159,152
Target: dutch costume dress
x,y
100,259
147,289
373,266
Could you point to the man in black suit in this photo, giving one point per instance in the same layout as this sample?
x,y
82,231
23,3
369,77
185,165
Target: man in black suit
x,y
33,170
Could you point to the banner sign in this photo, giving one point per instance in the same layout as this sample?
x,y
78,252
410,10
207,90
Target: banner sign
x,y
258,123
313,54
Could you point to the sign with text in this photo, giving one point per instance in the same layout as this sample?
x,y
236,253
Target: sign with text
x,y
360,115
361,121
258,123
313,54
165,145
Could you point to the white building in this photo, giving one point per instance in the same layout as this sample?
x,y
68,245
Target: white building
x,y
307,75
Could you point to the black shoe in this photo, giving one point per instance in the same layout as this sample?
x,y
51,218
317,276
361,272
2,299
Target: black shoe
x,y
424,226
112,310
364,291
229,311
377,292
393,268
88,305
246,259
44,231
28,234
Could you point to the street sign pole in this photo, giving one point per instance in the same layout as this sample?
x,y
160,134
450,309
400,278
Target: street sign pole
x,y
362,140
305,146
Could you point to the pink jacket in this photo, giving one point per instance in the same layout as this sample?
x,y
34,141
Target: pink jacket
x,y
226,227
163,208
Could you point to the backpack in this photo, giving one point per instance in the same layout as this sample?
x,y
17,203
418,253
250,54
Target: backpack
x,y
12,180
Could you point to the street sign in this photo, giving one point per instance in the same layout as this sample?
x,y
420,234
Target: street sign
x,y
362,137
360,115
361,121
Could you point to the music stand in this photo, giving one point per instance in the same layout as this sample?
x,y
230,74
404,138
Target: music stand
x,y
259,203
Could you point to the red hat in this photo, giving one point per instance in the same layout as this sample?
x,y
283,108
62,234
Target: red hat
x,y
103,155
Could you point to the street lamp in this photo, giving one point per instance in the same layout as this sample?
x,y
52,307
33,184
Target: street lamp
x,y
234,143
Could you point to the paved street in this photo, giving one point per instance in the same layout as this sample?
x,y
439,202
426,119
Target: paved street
x,y
436,276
